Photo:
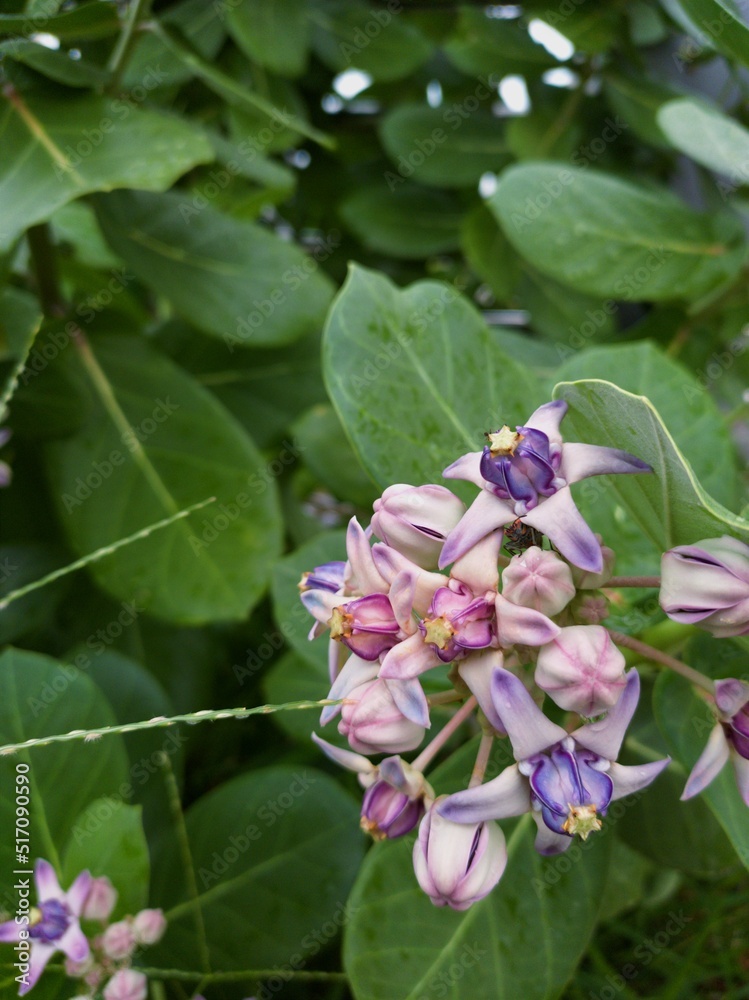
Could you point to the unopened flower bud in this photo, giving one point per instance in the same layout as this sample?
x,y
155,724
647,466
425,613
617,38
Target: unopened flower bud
x,y
118,940
415,520
457,864
101,900
149,926
707,585
582,670
590,609
373,723
77,970
538,579
585,580
127,984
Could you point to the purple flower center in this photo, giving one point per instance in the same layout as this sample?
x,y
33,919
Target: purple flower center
x,y
457,622
569,789
53,921
737,731
521,467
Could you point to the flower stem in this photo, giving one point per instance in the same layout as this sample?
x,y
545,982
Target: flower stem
x,y
663,659
482,759
633,581
444,698
444,735
136,12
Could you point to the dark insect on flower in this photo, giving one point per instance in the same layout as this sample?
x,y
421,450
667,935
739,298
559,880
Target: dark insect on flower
x,y
520,536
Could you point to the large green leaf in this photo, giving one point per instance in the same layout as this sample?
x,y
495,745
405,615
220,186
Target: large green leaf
x,y
232,279
687,409
608,237
406,221
444,147
686,722
182,447
108,839
275,853
495,47
41,697
398,945
274,33
707,135
92,20
722,23
669,507
379,40
416,377
71,146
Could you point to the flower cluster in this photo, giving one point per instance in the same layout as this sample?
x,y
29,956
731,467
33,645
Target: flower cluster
x,y
434,595
100,957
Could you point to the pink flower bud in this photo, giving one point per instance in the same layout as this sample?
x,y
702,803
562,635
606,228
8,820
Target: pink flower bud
x,y
127,984
415,520
585,580
538,579
374,724
582,670
457,864
118,940
101,900
590,609
149,926
77,970
707,585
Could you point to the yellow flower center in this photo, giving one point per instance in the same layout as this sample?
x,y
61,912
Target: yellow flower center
x,y
438,631
341,624
582,820
504,441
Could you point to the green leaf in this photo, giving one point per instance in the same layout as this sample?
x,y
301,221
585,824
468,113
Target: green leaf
x,y
685,406
274,33
75,145
203,26
377,40
708,136
673,834
607,237
41,697
398,945
559,312
722,23
57,66
19,565
489,252
416,377
322,440
108,839
444,147
494,46
404,221
135,694
291,678
20,320
637,100
686,722
275,853
669,506
157,443
93,20
231,279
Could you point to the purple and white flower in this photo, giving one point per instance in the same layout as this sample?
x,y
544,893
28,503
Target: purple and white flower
x,y
396,794
729,740
458,864
566,780
415,520
581,670
526,474
707,584
54,923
